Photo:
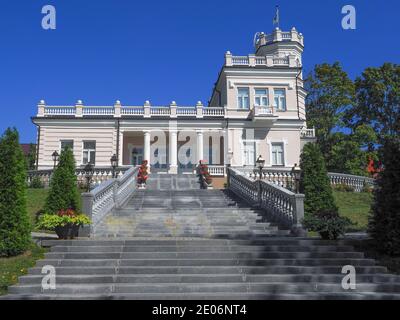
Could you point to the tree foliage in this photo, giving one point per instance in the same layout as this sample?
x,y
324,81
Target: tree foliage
x,y
63,192
384,224
377,101
14,220
330,92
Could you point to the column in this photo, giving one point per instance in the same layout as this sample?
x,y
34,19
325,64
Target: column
x,y
199,146
121,149
173,152
147,148
225,135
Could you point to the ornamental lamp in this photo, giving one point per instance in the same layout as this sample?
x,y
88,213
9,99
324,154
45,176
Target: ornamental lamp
x,y
55,157
296,172
114,164
89,171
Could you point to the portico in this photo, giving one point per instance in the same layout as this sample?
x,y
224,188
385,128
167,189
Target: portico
x,y
172,150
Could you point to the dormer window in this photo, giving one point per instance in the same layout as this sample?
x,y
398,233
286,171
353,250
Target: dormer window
x,y
261,97
243,98
280,99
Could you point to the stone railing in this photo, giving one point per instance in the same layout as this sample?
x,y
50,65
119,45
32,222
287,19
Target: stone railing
x,y
119,111
216,170
356,182
100,175
284,178
263,111
279,177
111,194
307,133
280,204
253,61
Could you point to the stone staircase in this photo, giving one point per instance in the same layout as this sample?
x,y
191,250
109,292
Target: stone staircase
x,y
173,268
185,213
175,242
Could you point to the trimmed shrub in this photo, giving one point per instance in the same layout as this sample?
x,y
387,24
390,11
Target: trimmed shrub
x,y
36,183
314,182
343,188
64,193
14,220
328,224
384,223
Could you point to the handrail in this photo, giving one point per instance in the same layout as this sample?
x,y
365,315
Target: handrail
x,y
111,194
356,182
280,204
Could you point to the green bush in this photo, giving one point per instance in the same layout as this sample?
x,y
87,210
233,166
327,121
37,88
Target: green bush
x,y
327,223
36,183
384,224
64,193
314,182
51,221
343,188
14,220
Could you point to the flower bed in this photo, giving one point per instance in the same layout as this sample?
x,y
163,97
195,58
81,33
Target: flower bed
x,y
65,223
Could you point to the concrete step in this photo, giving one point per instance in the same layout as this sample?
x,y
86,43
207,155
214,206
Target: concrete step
x,y
208,270
189,248
277,287
204,255
207,278
206,262
282,241
208,296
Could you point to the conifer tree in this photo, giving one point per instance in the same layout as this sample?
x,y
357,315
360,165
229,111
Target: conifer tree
x,y
14,220
315,182
64,193
384,223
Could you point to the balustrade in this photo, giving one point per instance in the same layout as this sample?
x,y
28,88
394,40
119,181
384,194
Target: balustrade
x,y
280,204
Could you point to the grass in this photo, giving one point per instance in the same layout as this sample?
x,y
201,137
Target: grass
x,y
35,201
355,206
12,268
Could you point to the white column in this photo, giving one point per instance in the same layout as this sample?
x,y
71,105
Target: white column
x,y
225,135
199,146
147,148
121,149
173,152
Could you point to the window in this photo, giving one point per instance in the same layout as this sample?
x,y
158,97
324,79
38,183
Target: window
x,y
249,153
89,152
277,154
261,97
243,98
67,144
280,99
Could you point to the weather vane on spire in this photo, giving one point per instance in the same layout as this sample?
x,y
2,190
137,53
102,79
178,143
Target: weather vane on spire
x,y
276,19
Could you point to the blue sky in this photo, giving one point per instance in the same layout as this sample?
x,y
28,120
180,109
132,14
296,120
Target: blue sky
x,y
161,51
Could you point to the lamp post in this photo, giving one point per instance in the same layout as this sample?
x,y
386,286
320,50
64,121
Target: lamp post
x,y
89,171
55,157
228,165
114,164
260,164
296,172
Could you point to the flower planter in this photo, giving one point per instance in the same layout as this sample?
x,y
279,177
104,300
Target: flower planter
x,y
69,231
63,232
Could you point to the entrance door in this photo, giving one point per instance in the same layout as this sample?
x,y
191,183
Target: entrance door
x,y
137,156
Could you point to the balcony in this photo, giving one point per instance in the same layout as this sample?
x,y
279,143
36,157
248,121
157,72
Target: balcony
x,y
119,111
306,133
254,61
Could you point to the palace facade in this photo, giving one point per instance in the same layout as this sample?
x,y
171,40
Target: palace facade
x,y
257,108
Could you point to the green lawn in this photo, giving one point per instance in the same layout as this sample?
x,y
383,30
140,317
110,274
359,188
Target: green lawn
x,y
12,268
355,206
35,202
